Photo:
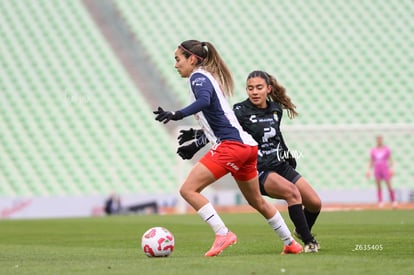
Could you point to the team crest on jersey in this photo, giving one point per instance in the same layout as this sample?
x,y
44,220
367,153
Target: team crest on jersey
x,y
199,81
275,117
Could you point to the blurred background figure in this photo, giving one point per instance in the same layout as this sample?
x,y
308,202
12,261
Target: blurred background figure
x,y
113,204
381,163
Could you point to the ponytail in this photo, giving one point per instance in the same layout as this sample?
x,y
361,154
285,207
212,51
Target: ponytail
x,y
278,93
209,58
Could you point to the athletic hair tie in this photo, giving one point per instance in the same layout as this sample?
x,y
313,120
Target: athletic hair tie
x,y
190,52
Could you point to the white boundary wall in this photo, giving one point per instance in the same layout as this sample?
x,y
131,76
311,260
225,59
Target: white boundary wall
x,y
90,206
71,206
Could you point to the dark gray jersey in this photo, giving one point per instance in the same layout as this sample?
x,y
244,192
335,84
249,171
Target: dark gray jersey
x,y
264,126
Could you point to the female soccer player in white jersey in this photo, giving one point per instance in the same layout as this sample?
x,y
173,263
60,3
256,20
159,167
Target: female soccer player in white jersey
x,y
233,151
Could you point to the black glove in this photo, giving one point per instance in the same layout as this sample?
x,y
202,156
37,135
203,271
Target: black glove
x,y
188,151
167,116
190,134
291,160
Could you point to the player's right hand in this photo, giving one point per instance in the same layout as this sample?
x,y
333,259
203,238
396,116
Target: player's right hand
x,y
165,116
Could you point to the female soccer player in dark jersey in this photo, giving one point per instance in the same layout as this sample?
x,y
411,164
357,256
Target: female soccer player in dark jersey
x,y
260,115
234,151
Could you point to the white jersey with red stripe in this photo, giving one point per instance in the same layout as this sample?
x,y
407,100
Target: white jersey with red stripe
x,y
216,117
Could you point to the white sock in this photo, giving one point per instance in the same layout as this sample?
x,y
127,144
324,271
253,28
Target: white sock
x,y
210,216
278,224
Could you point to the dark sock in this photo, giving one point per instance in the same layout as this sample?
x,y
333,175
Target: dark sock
x,y
310,218
299,220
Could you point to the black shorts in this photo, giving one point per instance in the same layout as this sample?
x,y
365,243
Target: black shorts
x,y
284,170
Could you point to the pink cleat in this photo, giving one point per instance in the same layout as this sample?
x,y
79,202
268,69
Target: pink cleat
x,y
221,243
292,248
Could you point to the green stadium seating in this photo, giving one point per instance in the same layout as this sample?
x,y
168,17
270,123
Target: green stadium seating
x,y
332,52
72,122
343,63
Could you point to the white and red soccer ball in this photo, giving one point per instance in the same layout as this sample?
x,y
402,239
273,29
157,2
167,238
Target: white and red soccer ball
x,y
157,242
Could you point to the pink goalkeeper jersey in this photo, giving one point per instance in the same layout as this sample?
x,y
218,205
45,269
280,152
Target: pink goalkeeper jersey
x,y
380,157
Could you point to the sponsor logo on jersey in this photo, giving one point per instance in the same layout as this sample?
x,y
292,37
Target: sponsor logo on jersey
x,y
253,118
199,81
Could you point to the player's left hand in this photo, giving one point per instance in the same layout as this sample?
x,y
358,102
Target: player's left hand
x,y
188,151
165,116
186,135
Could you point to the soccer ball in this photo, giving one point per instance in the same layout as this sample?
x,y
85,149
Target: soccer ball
x,y
157,242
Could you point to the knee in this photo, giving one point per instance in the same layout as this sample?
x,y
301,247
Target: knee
x,y
288,192
314,205
318,204
293,196
185,192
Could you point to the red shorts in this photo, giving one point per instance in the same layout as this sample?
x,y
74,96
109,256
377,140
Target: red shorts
x,y
231,156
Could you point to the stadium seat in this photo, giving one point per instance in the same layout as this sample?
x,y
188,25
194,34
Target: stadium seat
x,y
72,121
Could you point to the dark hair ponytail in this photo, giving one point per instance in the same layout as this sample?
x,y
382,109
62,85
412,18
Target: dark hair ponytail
x,y
278,93
209,58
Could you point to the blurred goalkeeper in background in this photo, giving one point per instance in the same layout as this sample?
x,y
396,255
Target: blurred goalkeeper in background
x,y
381,162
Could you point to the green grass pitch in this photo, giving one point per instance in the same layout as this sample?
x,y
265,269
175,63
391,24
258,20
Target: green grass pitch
x,y
111,245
